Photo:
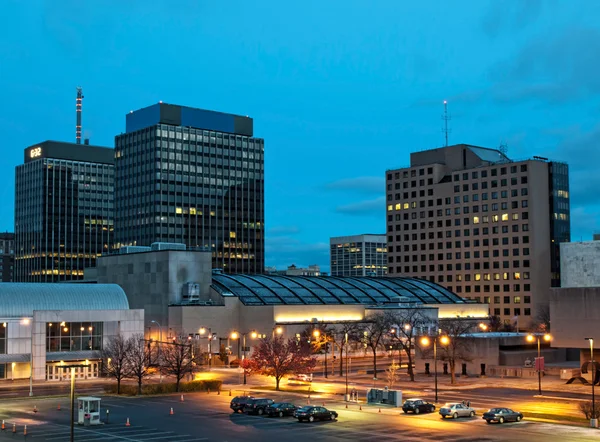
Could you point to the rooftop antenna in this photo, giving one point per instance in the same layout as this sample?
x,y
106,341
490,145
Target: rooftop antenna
x,y
78,110
503,148
446,118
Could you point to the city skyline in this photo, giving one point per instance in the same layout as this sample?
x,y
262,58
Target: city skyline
x,y
349,92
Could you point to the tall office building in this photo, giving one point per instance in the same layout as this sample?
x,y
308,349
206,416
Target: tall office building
x,y
358,255
63,210
7,256
195,177
487,227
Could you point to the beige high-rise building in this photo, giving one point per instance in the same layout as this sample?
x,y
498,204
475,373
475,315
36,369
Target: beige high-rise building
x,y
486,227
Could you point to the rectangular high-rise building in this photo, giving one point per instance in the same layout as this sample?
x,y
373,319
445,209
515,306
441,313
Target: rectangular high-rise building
x,y
192,176
485,226
358,255
7,256
63,210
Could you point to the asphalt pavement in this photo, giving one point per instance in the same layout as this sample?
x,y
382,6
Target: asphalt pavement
x,y
207,417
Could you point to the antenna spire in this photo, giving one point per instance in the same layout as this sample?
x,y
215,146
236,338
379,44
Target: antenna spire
x,y
446,118
78,111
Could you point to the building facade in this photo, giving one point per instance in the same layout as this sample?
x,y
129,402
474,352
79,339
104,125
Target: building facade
x,y
311,270
63,210
358,255
7,256
192,176
473,220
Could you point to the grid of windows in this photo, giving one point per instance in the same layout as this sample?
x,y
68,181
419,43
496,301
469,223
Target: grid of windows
x,y
7,256
470,230
73,336
192,186
363,255
63,217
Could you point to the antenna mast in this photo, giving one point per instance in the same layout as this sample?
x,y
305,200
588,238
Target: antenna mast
x,y
446,118
78,111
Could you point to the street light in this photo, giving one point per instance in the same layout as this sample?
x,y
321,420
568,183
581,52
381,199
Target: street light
x,y
277,330
539,363
159,344
593,381
210,336
425,341
235,335
316,334
483,327
346,337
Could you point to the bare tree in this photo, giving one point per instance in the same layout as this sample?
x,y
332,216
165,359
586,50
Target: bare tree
x,y
115,356
374,333
495,323
458,346
138,359
541,321
405,326
177,360
339,334
392,374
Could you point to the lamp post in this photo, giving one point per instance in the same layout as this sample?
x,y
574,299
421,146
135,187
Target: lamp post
x,y
538,365
444,340
277,330
236,335
317,334
346,339
593,420
159,344
26,321
210,336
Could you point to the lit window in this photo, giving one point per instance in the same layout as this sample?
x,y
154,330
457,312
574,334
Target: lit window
x,y
477,276
178,210
516,275
458,277
505,217
486,276
405,206
496,276
398,206
390,208
505,276
515,216
485,219
192,210
475,220
495,218
517,299
232,234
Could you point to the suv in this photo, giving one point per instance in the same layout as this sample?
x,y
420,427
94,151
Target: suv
x,y
238,403
257,406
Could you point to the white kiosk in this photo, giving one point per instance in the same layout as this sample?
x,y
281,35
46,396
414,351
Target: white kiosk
x,y
89,410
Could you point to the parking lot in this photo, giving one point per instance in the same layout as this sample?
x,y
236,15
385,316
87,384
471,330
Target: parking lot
x,y
203,417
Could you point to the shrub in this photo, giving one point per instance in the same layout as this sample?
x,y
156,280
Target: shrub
x,y
166,388
586,409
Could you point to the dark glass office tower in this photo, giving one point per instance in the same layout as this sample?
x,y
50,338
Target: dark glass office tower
x,y
63,210
560,210
195,177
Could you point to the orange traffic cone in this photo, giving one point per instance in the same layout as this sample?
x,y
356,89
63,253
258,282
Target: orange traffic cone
x,y
3,427
58,408
229,392
181,400
360,407
127,424
25,431
171,413
35,409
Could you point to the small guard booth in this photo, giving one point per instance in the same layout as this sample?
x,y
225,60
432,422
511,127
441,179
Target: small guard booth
x,y
89,410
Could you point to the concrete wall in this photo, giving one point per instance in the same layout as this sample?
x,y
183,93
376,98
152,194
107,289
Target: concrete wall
x,y
580,264
575,315
153,280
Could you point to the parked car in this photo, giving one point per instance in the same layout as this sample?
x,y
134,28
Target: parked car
x,y
300,378
311,413
281,409
502,415
239,402
257,406
417,406
456,410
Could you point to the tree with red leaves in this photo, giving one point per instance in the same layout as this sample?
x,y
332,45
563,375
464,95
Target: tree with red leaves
x,y
278,358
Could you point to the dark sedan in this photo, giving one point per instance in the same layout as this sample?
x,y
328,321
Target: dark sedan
x,y
239,402
281,409
417,406
311,414
502,415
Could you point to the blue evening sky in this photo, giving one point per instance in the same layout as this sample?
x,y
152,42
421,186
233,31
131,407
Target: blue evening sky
x,y
339,90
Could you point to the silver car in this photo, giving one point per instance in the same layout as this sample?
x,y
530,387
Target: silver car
x,y
456,410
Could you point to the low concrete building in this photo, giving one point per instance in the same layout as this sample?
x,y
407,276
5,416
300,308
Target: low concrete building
x,y
59,324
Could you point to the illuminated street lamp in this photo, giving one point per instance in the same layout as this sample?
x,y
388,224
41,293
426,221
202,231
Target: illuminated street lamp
x,y
539,361
483,327
593,420
316,334
425,341
235,335
210,337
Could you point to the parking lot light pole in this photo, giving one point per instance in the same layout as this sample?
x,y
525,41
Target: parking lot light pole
x,y
532,338
210,336
593,379
444,340
346,338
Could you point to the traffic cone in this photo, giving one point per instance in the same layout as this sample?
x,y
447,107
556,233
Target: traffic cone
x,y
171,413
380,410
218,392
58,408
25,431
346,405
14,428
127,424
229,392
181,400
3,427
35,408
360,407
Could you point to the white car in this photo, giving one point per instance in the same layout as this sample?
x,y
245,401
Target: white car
x,y
456,410
301,378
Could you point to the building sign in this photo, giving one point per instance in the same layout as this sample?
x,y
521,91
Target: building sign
x,y
35,152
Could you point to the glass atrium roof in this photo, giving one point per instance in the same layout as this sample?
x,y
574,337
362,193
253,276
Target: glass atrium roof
x,y
300,290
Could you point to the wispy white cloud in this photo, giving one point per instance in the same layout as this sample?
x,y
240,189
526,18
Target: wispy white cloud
x,y
374,207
